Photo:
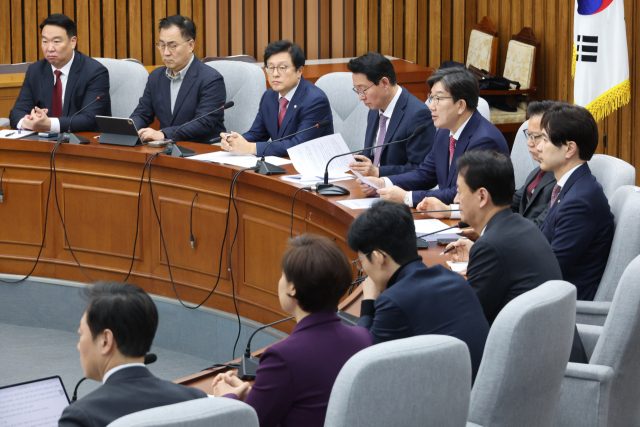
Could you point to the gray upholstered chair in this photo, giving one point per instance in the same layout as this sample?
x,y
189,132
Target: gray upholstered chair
x,y
625,206
4,123
605,392
245,84
214,412
611,173
349,113
127,81
527,350
522,161
419,381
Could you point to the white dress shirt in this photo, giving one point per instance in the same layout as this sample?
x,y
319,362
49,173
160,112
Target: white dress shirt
x,y
387,113
119,368
566,176
288,97
64,76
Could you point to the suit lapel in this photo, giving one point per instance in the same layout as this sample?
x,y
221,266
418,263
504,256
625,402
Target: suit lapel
x,y
576,175
78,62
396,117
165,99
298,98
547,179
461,146
189,79
47,86
372,125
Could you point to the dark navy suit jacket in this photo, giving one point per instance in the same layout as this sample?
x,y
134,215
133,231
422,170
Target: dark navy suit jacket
x,y
87,79
202,91
308,107
579,227
296,375
535,208
127,391
408,113
478,134
421,300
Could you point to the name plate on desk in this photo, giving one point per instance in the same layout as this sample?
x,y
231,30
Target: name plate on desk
x,y
117,131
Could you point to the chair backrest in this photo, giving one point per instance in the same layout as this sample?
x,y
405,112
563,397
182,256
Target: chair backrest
x,y
522,161
218,412
619,348
526,354
483,108
611,172
625,206
349,113
239,58
127,80
519,64
419,381
245,84
14,68
483,46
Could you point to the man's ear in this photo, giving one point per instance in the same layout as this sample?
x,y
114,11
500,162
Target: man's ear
x,y
107,342
572,150
484,196
462,106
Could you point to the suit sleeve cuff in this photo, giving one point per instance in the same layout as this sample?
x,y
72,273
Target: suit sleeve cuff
x,y
387,182
367,307
55,125
231,396
455,215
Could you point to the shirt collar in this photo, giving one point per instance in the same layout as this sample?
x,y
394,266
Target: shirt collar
x,y
389,111
118,368
566,176
180,74
396,275
67,68
289,95
456,135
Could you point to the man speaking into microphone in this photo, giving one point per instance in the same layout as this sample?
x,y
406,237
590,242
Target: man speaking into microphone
x,y
292,104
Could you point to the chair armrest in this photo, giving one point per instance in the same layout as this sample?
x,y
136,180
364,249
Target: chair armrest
x,y
592,312
584,401
589,334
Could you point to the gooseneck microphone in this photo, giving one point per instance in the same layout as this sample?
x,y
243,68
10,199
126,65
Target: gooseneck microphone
x,y
264,168
249,364
149,358
426,212
174,149
70,137
327,189
460,225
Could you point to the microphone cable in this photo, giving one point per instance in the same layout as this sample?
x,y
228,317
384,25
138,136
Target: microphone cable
x,y
1,192
292,203
191,239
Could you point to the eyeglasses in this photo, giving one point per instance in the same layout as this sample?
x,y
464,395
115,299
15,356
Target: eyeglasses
x,y
358,261
362,92
435,99
172,47
530,136
281,69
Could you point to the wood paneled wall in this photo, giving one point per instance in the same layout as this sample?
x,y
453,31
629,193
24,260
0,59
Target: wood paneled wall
x,y
423,31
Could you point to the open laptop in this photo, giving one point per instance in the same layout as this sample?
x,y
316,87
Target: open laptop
x,y
33,403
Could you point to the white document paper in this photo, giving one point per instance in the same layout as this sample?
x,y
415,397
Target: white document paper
x,y
311,157
458,267
439,228
365,180
244,161
359,203
14,134
300,179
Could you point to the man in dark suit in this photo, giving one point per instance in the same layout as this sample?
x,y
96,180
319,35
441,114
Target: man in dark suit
x,y
402,296
182,90
394,115
58,86
579,224
500,267
453,102
532,199
116,331
291,105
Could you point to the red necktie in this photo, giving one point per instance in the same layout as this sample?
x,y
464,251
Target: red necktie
x,y
554,194
56,102
452,147
535,183
283,110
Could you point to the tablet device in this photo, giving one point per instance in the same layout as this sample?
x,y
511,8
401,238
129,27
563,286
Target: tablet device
x,y
117,131
33,403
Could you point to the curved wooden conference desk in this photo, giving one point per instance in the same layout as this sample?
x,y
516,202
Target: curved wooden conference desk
x,y
97,188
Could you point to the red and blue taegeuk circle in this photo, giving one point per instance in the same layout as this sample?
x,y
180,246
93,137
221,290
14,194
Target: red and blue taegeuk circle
x,y
591,7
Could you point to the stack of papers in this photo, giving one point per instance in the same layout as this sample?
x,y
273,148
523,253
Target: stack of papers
x,y
311,158
333,177
359,203
439,228
14,134
244,161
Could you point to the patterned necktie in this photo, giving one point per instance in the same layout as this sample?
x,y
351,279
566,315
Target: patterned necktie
x,y
381,135
56,102
283,110
554,194
535,183
452,147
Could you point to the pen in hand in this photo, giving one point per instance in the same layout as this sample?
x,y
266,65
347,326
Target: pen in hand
x,y
449,250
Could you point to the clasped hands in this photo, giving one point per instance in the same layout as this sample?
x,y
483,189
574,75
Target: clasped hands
x,y
229,383
235,143
37,120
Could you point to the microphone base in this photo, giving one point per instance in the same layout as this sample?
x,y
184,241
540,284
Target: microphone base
x,y
332,190
248,368
72,138
265,168
178,151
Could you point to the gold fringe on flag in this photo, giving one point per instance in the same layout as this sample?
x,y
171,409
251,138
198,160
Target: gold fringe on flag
x,y
574,58
610,101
